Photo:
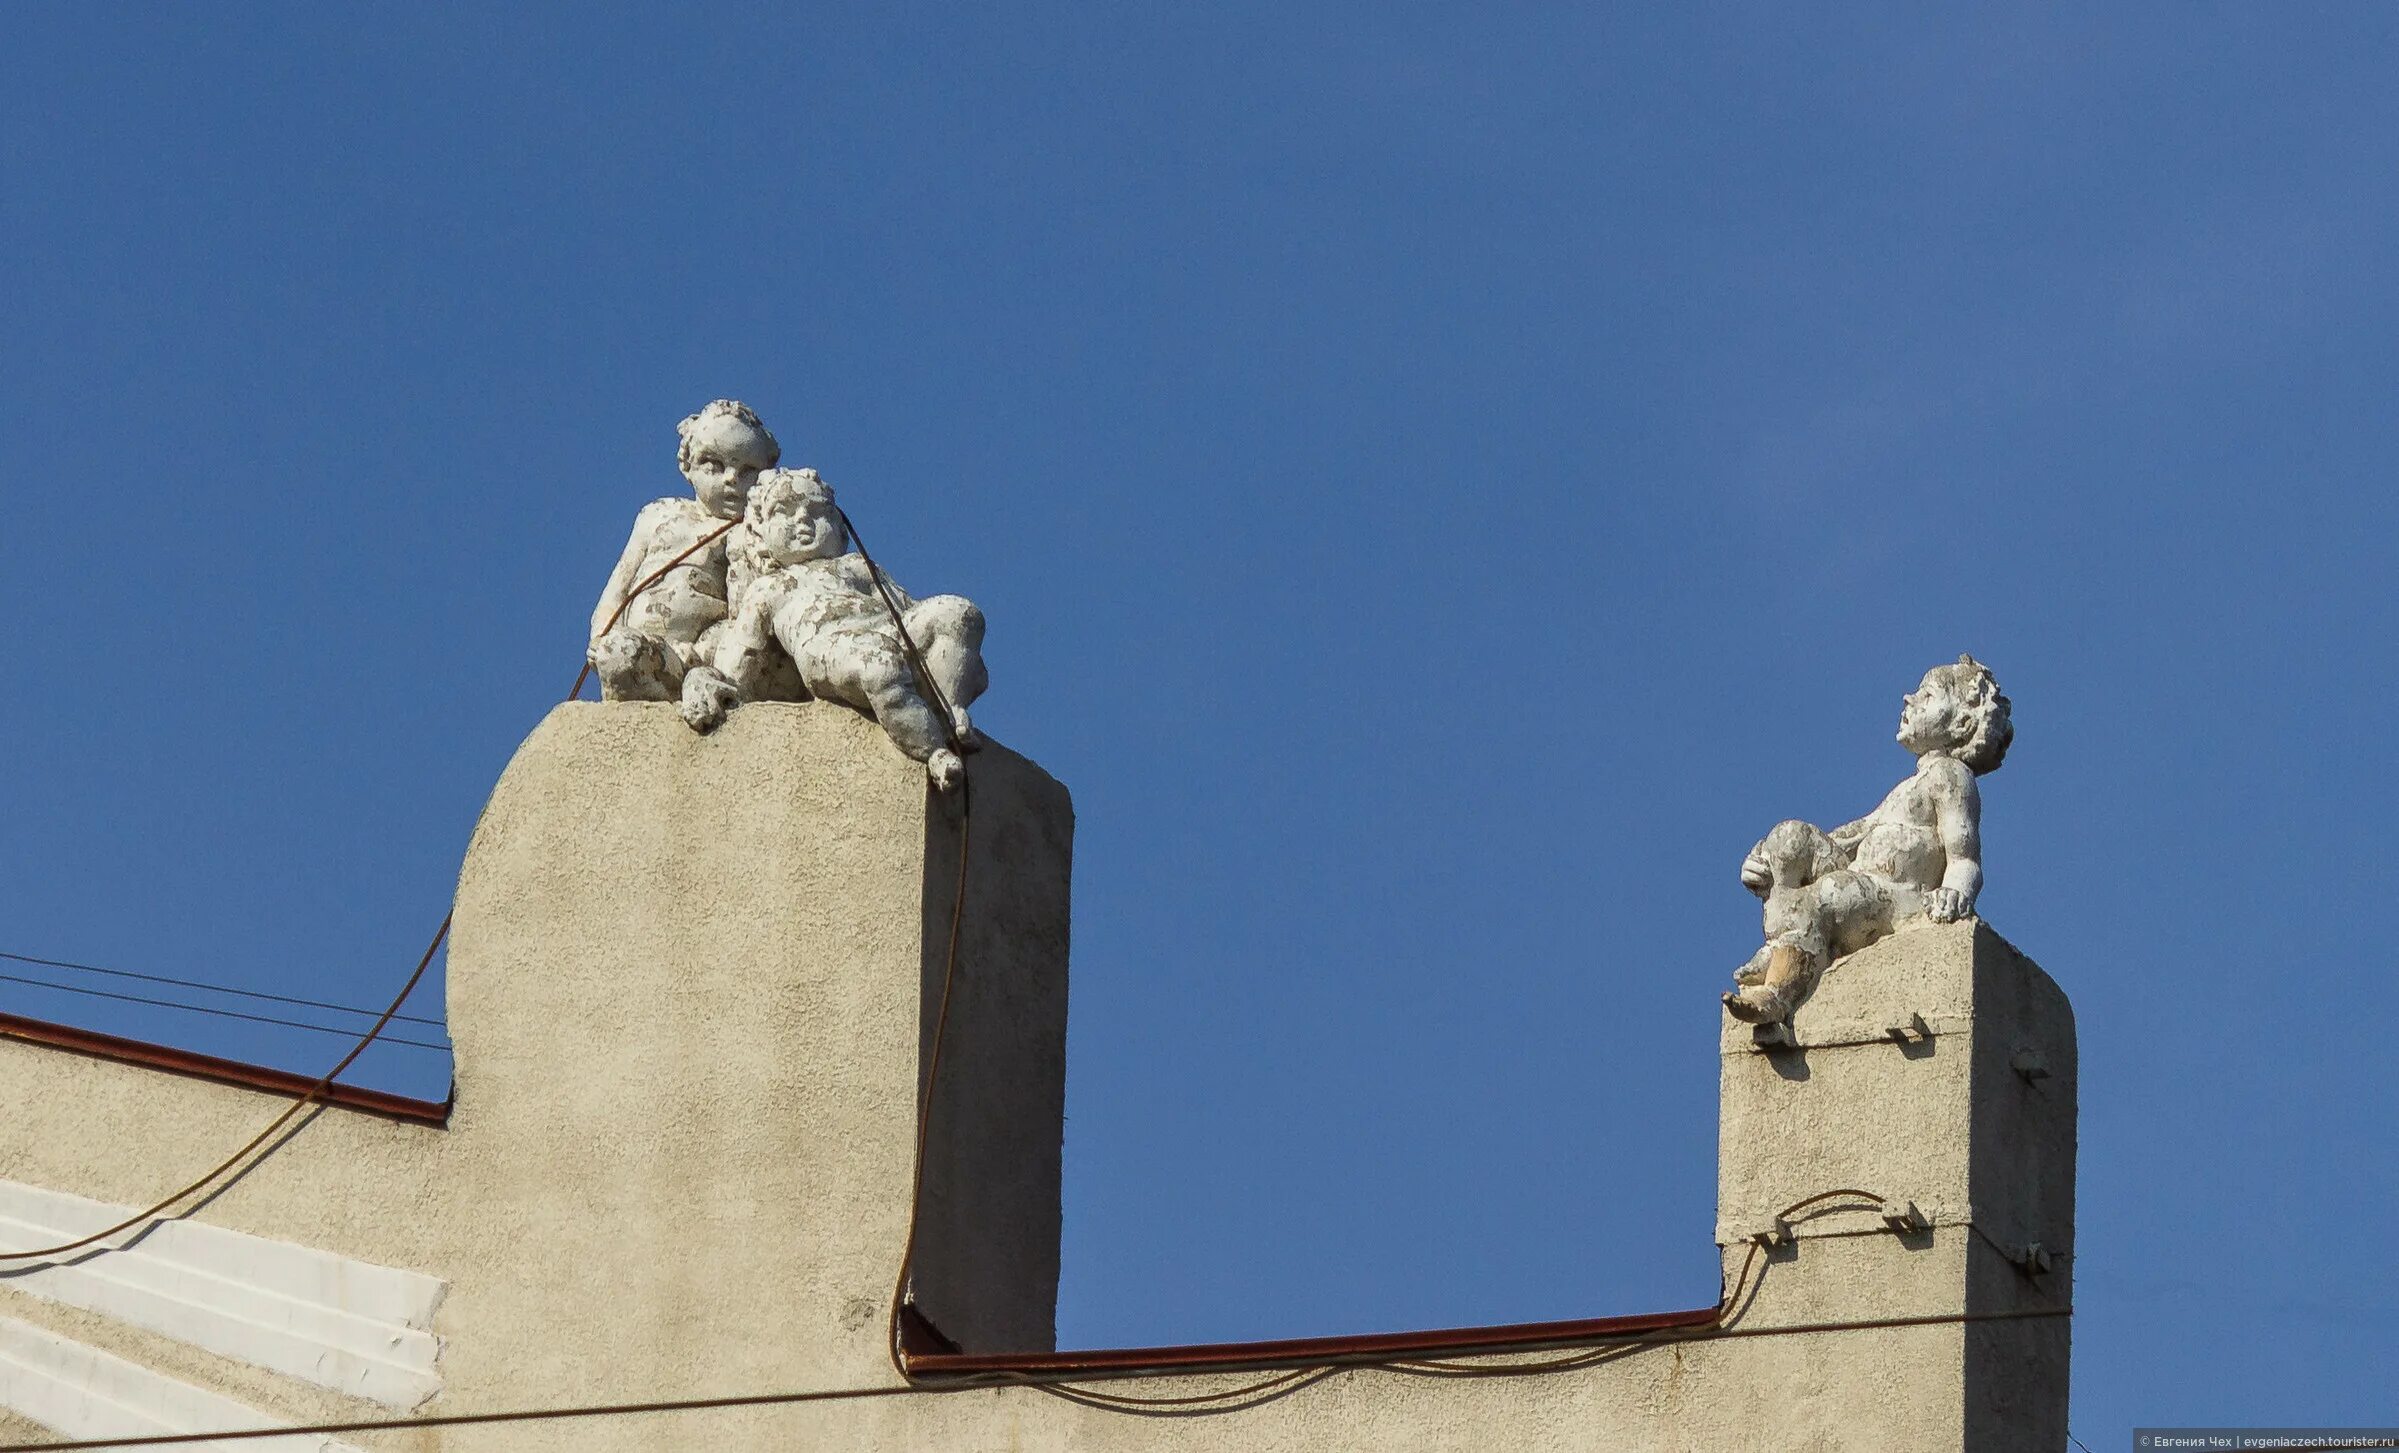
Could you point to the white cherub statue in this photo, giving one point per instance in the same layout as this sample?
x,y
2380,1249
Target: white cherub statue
x,y
802,598
1919,853
652,646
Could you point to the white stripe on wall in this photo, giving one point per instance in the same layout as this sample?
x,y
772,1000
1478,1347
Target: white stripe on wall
x,y
81,1392
352,1326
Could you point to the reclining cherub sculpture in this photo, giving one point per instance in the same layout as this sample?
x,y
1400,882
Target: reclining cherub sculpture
x,y
729,596
807,617
1917,854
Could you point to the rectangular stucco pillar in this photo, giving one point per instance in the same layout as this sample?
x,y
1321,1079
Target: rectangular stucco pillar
x,y
692,984
1937,1068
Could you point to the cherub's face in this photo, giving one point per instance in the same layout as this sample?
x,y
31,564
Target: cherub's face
x,y
1930,717
797,526
721,461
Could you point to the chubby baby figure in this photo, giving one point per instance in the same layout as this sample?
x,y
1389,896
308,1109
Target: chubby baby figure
x,y
1917,854
648,641
805,604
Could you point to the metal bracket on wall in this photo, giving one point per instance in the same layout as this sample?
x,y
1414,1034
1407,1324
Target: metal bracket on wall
x,y
1903,1217
1913,1031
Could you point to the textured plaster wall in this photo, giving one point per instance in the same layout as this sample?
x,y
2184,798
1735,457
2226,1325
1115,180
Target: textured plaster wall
x,y
690,989
686,985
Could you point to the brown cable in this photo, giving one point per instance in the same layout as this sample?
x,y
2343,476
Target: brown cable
x,y
314,1093
924,1102
916,658
1850,1192
1237,1400
949,966
937,1389
324,1082
646,582
1070,1389
1728,1307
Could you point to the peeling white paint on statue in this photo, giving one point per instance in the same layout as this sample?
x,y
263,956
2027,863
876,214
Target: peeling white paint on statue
x,y
785,609
652,646
1916,856
805,603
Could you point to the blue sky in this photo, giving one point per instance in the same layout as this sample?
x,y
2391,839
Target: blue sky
x,y
1442,480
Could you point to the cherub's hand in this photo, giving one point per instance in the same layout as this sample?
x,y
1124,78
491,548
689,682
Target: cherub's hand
x,y
707,697
1946,905
753,627
1756,875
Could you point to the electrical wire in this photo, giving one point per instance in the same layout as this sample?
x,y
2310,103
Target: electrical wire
x,y
324,1082
314,1093
1073,1386
1229,1400
1239,1400
901,1288
1076,1387
217,989
219,1013
647,581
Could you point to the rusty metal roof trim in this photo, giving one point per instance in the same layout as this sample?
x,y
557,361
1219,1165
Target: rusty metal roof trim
x,y
198,1066
1304,1351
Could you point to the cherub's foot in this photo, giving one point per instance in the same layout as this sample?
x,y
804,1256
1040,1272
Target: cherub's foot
x,y
1758,1004
1946,905
631,667
968,738
707,697
946,770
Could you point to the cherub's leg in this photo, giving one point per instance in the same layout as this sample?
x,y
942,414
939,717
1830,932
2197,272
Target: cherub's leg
x,y
948,629
888,682
1798,853
1781,984
635,667
1806,930
1754,972
1854,909
1783,973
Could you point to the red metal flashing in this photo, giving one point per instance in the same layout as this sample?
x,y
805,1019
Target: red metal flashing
x,y
222,1071
1306,1351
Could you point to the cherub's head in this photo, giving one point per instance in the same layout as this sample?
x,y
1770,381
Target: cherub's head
x,y
791,518
1958,712
724,446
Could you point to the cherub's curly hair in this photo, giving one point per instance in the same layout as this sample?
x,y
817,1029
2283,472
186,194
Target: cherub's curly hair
x,y
1989,730
747,560
733,409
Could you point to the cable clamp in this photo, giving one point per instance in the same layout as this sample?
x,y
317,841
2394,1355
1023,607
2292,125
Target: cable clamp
x,y
1913,1030
1774,1036
1904,1218
1768,1235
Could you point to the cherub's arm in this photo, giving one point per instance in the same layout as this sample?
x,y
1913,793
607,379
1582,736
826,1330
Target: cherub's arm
x,y
627,571
1957,816
1848,835
745,643
854,566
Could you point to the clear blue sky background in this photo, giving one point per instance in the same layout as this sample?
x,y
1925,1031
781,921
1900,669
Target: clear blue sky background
x,y
1443,480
